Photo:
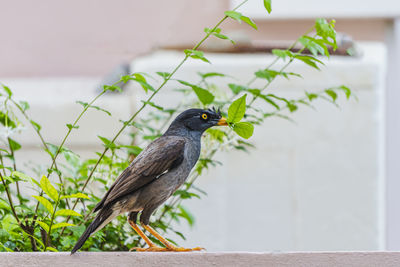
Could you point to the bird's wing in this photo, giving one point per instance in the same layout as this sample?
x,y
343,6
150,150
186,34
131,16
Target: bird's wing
x,y
159,157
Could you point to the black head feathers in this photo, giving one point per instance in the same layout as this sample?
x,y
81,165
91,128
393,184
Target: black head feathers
x,y
197,120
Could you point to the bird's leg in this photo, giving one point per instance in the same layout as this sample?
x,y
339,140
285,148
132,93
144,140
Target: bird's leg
x,y
152,246
168,245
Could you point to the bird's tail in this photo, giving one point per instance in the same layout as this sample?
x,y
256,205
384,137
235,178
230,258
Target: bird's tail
x,y
102,218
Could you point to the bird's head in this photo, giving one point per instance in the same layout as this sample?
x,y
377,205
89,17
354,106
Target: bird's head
x,y
198,120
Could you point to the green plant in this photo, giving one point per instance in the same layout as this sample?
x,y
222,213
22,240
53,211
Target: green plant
x,y
51,219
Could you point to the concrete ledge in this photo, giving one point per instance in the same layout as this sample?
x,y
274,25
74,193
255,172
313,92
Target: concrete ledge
x,y
98,259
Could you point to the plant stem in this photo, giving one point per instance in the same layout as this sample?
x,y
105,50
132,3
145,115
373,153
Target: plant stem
x,y
23,112
62,144
47,241
269,82
15,169
277,58
10,200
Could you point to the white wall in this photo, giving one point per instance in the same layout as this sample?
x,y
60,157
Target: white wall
x,y
313,185
292,9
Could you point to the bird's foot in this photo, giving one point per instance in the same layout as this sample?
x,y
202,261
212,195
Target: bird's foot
x,y
149,249
180,249
168,249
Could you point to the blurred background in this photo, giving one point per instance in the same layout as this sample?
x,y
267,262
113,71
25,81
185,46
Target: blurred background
x,y
329,181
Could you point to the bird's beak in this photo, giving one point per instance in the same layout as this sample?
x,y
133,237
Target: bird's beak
x,y
222,122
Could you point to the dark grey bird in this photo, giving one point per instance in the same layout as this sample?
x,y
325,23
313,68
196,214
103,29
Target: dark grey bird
x,y
158,171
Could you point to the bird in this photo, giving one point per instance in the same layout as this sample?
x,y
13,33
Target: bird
x,y
153,176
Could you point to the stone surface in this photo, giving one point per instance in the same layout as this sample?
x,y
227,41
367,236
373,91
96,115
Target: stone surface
x,y
121,259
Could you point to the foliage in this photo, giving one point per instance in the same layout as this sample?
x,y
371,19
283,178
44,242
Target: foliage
x,y
51,219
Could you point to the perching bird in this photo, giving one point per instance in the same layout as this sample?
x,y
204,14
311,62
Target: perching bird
x,y
158,171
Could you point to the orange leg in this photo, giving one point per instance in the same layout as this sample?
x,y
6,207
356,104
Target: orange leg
x,y
152,246
168,245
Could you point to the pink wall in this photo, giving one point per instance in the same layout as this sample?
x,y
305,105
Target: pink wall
x,y
61,38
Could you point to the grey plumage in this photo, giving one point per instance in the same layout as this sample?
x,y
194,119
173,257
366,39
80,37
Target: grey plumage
x,y
156,173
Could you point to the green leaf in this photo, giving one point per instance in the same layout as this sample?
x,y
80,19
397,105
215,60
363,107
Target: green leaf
x,y
216,134
66,212
6,120
203,95
9,223
51,248
267,74
76,195
70,126
315,46
85,104
234,15
45,203
43,225
139,78
332,94
52,149
311,96
134,150
236,89
126,78
291,106
14,144
282,53
164,75
239,17
48,188
346,90
184,213
9,249
112,88
4,205
211,74
107,143
244,129
267,5
309,60
21,175
36,125
196,54
63,224
249,21
185,194
326,30
8,178
217,33
223,37
237,109
7,90
152,104
71,157
257,93
24,105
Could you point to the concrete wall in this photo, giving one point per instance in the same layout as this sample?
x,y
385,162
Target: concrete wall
x,y
62,38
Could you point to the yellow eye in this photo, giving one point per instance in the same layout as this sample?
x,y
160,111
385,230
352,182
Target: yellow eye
x,y
204,116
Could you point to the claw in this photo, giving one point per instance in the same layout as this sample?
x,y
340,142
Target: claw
x,y
169,249
149,249
180,249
